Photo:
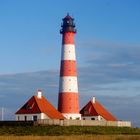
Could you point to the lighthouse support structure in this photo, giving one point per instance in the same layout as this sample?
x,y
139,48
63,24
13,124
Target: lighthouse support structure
x,y
68,102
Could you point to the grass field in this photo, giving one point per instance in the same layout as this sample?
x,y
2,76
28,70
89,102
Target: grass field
x,y
28,131
84,137
65,130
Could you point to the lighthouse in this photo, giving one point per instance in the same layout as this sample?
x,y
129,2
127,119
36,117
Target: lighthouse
x,y
68,102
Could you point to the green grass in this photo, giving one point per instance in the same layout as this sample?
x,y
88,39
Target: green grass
x,y
65,130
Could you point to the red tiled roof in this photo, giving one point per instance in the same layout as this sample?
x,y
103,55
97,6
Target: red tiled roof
x,y
96,109
40,105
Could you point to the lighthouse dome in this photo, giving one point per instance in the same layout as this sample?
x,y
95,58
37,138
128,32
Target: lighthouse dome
x,y
68,25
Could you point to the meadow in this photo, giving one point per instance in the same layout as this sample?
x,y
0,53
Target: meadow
x,y
66,130
28,131
83,137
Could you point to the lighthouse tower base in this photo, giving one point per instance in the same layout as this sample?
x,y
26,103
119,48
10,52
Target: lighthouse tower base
x,y
70,116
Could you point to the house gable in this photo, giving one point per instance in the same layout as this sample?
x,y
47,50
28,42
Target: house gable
x,y
30,107
37,105
96,109
46,107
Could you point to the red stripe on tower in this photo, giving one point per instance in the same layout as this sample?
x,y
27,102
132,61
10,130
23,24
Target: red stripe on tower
x,y
68,102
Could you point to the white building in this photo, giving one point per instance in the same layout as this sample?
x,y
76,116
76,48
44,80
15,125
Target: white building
x,y
37,107
93,110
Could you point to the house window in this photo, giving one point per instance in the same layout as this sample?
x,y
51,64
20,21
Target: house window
x,y
92,118
35,118
18,118
85,112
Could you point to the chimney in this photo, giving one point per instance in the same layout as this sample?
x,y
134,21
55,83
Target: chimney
x,y
39,93
93,100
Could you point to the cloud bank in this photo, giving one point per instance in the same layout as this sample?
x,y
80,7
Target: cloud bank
x,y
110,72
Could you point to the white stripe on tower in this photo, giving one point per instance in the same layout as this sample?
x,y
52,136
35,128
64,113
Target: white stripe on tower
x,y
68,84
68,52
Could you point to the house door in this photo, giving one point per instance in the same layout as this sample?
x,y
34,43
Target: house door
x,y
25,118
34,118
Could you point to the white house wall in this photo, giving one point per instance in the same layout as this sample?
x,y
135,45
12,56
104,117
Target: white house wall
x,y
44,116
29,117
72,116
99,118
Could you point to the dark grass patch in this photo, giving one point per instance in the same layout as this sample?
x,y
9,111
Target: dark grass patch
x,y
66,130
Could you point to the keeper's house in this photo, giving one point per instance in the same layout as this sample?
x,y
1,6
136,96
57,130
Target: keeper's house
x,y
93,110
37,107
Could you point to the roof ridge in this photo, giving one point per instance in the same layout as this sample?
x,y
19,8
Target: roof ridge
x,y
50,110
36,103
94,107
106,111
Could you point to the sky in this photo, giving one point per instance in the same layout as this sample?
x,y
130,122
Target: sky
x,y
107,51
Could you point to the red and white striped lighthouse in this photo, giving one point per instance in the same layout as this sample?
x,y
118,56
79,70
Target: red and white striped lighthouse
x,y
68,102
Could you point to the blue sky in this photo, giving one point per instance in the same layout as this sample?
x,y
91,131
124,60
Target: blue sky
x,y
31,29
107,46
